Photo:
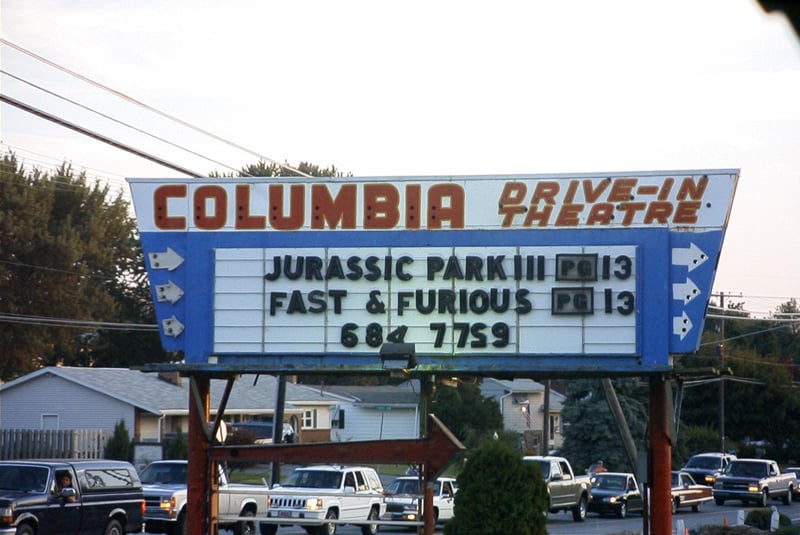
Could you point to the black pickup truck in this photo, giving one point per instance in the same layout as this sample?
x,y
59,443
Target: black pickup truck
x,y
105,498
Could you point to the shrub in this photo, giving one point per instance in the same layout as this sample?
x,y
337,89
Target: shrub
x,y
498,494
176,447
118,446
760,518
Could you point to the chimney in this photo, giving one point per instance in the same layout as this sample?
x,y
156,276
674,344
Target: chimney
x,y
170,377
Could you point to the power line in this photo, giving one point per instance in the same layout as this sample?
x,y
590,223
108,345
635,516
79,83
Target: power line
x,y
150,108
72,126
45,321
103,115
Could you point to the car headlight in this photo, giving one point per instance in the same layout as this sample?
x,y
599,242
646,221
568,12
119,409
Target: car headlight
x,y
7,515
314,504
709,479
168,504
611,499
753,488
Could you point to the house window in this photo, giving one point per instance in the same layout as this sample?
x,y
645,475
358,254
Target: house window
x,y
310,419
553,425
50,421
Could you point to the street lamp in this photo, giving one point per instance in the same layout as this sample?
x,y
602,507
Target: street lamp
x,y
398,357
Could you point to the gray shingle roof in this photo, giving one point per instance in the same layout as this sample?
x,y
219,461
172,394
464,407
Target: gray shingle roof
x,y
151,393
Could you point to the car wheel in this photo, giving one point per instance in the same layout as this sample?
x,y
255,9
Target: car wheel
x,y
180,526
370,529
25,529
329,528
579,512
696,508
675,505
113,528
787,498
268,529
719,501
622,511
764,498
245,527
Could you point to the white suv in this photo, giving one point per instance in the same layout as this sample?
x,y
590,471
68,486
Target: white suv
x,y
320,498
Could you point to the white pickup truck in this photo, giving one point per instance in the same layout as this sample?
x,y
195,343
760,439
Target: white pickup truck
x,y
565,490
164,486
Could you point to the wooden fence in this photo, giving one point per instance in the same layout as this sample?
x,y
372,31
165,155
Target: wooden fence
x,y
53,444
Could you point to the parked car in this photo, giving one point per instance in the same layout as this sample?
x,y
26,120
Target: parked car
x,y
705,467
99,497
615,493
404,499
687,493
262,431
316,496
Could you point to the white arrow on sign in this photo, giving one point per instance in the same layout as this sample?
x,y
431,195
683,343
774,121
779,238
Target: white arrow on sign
x,y
168,292
685,290
169,259
681,326
690,257
172,327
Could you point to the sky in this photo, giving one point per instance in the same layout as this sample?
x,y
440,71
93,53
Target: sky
x,y
428,88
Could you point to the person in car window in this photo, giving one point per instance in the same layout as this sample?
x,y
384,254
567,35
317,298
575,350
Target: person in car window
x,y
63,480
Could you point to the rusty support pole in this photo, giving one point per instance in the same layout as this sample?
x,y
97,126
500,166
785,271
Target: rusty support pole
x,y
198,473
429,522
660,459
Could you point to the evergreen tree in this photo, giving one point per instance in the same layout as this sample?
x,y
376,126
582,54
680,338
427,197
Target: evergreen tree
x,y
498,494
469,415
118,446
591,433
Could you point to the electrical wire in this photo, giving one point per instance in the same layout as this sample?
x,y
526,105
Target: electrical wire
x,y
126,125
150,108
45,321
72,126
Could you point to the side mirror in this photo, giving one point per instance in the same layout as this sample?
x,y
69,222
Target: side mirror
x,y
556,477
68,492
349,490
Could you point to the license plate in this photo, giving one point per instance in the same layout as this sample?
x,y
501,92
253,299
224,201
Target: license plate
x,y
284,514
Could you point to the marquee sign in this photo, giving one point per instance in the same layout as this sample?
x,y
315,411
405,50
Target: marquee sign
x,y
483,274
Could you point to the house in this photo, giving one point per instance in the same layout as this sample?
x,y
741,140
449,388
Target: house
x,y
386,411
155,406
522,405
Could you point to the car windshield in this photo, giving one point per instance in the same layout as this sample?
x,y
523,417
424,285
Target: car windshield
x,y
164,474
602,481
318,479
703,463
544,467
403,486
746,469
23,478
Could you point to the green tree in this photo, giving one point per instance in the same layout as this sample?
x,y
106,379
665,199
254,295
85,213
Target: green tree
x,y
499,494
119,445
590,431
469,415
68,254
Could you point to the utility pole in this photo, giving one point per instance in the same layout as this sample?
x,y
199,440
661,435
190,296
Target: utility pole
x,y
721,354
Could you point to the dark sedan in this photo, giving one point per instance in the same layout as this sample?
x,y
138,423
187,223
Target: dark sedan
x,y
615,493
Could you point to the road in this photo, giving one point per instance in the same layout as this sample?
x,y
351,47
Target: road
x,y
563,524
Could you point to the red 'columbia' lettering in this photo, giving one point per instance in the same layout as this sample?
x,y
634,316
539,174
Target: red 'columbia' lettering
x,y
375,206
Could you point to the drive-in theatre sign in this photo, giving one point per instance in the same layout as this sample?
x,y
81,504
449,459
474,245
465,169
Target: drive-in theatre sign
x,y
483,274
